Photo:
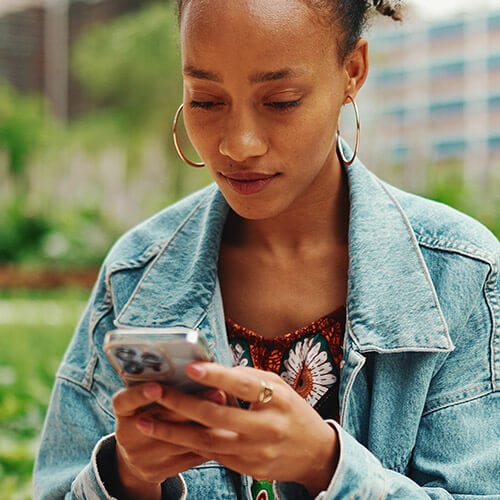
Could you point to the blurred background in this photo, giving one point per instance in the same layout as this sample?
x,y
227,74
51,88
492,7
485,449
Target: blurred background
x,y
88,90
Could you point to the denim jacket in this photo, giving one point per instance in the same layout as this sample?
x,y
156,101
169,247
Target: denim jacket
x,y
419,389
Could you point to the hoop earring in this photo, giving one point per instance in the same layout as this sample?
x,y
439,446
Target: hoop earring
x,y
177,145
358,130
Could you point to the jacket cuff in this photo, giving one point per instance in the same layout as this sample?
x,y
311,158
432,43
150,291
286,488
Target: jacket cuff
x,y
90,482
100,478
358,475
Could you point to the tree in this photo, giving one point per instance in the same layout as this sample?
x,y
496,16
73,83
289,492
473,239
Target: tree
x,y
131,68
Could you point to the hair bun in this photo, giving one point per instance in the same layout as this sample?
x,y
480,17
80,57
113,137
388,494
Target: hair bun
x,y
386,8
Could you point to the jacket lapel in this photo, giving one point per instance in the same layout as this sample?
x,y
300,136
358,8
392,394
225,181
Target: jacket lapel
x,y
392,303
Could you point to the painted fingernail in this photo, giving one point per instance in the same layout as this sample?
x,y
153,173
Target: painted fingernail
x,y
196,370
217,397
145,425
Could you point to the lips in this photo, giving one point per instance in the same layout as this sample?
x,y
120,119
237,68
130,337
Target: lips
x,y
248,182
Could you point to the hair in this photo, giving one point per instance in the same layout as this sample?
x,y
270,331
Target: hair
x,y
351,15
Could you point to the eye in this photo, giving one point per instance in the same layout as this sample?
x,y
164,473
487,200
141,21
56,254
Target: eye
x,y
283,105
204,104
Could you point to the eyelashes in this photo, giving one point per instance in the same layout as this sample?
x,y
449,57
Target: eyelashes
x,y
205,104
275,105
283,105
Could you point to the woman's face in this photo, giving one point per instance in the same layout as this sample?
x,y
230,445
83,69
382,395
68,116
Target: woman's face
x,y
263,86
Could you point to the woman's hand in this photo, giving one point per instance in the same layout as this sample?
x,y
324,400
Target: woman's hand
x,y
143,460
284,439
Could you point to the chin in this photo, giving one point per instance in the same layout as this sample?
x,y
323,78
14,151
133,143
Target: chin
x,y
254,211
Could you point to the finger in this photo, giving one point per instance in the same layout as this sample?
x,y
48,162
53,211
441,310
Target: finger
x,y
230,418
127,401
157,463
215,396
189,437
242,382
158,412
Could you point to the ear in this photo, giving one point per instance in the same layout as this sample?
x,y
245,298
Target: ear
x,y
356,68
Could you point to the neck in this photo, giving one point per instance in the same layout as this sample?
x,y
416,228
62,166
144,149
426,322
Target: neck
x,y
309,226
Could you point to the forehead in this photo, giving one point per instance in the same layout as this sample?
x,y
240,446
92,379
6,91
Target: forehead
x,y
241,30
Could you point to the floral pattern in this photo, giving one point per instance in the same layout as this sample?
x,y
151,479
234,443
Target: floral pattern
x,y
308,359
309,371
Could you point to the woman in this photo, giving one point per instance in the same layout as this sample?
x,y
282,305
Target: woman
x,y
364,320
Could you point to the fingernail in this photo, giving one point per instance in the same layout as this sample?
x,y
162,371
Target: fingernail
x,y
145,425
217,397
196,370
152,391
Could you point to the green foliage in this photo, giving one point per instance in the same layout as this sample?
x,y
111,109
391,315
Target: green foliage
x,y
22,130
447,185
28,321
22,234
131,67
80,238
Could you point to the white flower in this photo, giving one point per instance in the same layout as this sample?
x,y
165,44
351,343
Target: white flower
x,y
308,370
238,352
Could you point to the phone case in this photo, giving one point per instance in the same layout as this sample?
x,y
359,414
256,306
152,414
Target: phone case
x,y
156,354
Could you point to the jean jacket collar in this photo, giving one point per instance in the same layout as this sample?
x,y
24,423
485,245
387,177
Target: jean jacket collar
x,y
392,304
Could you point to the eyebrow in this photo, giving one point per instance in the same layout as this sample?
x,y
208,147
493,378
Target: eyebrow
x,y
201,74
261,77
270,76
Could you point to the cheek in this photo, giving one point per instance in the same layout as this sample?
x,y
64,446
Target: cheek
x,y
314,136
201,133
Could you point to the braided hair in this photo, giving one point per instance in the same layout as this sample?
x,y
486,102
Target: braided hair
x,y
351,15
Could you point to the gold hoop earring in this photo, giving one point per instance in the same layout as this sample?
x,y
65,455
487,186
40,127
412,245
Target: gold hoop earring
x,y
358,131
177,145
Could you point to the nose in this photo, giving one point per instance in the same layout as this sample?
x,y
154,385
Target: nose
x,y
243,138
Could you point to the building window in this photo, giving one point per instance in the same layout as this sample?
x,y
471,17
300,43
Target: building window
x,y
451,148
494,101
494,62
494,142
494,22
447,107
448,30
447,69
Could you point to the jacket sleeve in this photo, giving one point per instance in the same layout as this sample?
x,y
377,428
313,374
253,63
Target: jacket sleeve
x,y
455,454
79,412
471,460
75,459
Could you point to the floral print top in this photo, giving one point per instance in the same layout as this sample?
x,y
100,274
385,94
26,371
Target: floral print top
x,y
308,359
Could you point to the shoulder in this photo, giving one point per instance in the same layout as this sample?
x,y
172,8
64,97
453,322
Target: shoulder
x,y
444,228
141,243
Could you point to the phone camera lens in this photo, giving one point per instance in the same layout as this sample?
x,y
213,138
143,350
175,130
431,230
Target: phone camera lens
x,y
152,360
133,367
125,353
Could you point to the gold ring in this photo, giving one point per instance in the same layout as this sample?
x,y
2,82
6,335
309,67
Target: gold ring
x,y
266,392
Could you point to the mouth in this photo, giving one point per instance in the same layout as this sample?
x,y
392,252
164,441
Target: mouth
x,y
248,182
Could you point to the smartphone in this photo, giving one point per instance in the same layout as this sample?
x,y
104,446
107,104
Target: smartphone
x,y
156,355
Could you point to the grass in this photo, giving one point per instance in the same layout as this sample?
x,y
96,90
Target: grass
x,y
35,328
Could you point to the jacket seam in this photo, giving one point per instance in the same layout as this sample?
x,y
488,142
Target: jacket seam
x,y
100,312
494,308
413,236
465,399
157,246
71,380
473,252
162,248
348,388
454,246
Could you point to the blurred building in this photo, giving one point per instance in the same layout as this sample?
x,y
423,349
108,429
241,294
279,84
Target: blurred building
x,y
433,97
36,37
